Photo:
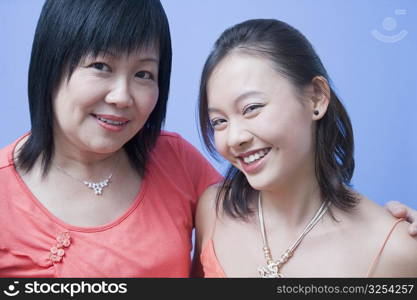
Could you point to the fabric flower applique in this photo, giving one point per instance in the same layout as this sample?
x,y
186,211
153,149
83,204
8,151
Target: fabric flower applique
x,y
57,251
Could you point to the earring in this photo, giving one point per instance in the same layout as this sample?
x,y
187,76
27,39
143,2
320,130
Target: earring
x,y
316,112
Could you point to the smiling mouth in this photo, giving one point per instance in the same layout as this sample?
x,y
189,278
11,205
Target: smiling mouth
x,y
250,159
110,121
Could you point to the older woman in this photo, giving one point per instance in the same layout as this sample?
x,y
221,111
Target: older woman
x,y
96,189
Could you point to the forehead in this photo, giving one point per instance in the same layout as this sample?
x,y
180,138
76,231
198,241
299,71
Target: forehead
x,y
242,73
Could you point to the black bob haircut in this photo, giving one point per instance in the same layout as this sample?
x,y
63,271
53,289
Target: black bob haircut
x,y
292,55
67,31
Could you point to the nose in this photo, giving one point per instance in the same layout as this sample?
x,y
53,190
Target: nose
x,y
120,94
238,136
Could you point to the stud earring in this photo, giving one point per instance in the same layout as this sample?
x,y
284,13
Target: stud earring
x,y
316,112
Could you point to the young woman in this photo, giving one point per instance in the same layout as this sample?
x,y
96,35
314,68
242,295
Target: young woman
x,y
286,207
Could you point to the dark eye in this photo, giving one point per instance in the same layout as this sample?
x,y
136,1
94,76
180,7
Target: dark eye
x,y
217,123
100,66
251,108
145,75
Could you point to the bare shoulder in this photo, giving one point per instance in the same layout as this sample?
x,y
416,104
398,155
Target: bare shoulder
x,y
399,254
399,257
206,215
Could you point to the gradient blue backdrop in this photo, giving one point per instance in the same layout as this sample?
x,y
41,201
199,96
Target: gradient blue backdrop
x,y
376,80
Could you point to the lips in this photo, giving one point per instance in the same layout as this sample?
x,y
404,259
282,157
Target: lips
x,y
111,118
252,161
254,155
111,122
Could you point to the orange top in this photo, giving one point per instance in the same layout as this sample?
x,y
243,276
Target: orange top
x,y
210,263
213,269
151,239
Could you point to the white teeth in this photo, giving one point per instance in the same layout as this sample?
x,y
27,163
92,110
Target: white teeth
x,y
111,122
258,155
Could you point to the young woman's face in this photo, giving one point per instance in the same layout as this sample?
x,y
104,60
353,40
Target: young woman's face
x,y
107,101
260,123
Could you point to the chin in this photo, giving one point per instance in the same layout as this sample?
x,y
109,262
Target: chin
x,y
259,185
107,150
265,182
105,147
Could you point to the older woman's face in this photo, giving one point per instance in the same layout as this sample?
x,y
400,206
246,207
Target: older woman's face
x,y
107,101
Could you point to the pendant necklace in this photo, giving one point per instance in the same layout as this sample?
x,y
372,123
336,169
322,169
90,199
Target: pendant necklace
x,y
272,268
97,187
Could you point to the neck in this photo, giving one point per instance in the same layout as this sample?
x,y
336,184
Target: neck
x,y
85,164
96,170
293,204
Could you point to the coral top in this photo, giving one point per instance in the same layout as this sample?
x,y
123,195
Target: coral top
x,y
213,269
151,239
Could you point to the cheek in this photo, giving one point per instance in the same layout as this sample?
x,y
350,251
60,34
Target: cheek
x,y
78,98
146,101
289,128
271,130
298,140
61,105
220,143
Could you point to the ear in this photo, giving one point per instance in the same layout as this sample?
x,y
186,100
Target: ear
x,y
319,97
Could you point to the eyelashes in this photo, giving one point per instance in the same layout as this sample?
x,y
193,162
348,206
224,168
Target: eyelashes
x,y
145,75
101,66
251,107
248,111
215,123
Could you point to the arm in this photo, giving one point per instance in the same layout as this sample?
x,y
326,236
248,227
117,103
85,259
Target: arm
x,y
204,223
400,210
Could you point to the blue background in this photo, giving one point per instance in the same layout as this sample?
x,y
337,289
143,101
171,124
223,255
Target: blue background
x,y
376,80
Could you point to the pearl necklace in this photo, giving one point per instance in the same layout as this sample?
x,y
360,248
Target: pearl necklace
x,y
272,268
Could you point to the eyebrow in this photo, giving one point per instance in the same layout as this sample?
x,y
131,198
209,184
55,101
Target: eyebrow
x,y
240,98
